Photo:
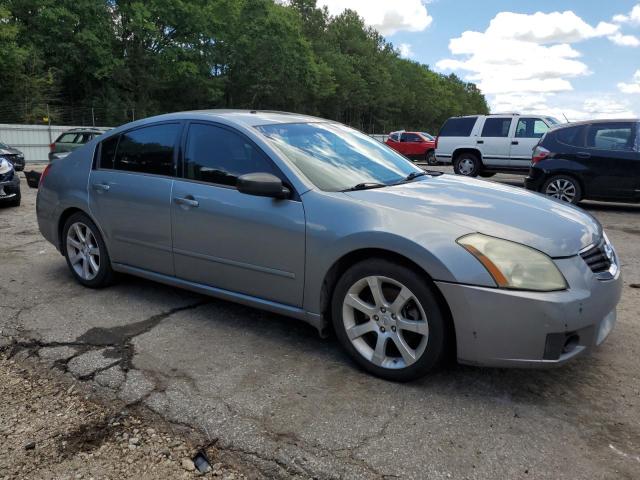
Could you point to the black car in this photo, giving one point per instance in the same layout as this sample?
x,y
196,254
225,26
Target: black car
x,y
14,155
595,160
9,184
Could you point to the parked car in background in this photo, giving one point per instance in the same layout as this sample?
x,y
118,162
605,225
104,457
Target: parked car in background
x,y
595,160
309,218
414,145
486,144
9,184
70,140
15,156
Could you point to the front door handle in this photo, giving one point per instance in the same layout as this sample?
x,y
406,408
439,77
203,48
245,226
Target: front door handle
x,y
101,187
480,141
515,142
187,201
583,155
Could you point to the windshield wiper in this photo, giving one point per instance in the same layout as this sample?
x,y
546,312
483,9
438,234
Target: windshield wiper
x,y
413,175
364,186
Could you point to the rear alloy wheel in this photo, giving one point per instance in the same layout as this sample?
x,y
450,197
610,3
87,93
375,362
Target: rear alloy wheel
x,y
388,319
467,164
563,188
430,158
86,252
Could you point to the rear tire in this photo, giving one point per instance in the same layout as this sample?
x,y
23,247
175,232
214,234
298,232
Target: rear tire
x,y
430,158
563,187
86,252
398,334
467,164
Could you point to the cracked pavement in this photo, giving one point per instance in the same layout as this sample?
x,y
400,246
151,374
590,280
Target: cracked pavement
x,y
291,405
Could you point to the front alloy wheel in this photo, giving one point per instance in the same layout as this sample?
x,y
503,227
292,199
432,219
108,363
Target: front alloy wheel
x,y
388,319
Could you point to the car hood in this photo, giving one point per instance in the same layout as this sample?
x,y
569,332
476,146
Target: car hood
x,y
555,228
10,151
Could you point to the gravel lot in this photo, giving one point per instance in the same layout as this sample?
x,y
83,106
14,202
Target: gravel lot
x,y
286,404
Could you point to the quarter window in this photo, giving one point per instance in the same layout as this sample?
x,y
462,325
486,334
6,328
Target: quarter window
x,y
531,128
108,152
611,136
218,155
572,136
496,127
458,127
148,150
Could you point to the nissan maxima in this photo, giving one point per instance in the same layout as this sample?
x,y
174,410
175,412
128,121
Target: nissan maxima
x,y
312,219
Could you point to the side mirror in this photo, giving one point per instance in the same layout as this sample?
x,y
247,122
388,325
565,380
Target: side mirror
x,y
262,185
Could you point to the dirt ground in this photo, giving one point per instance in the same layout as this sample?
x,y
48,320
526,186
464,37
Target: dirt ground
x,y
272,398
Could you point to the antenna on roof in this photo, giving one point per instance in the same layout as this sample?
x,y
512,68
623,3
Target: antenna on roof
x,y
565,117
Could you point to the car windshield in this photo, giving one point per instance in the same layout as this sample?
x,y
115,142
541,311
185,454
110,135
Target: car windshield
x,y
552,121
4,145
427,136
335,157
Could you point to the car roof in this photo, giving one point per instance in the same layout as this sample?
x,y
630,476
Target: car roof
x,y
600,120
87,129
250,118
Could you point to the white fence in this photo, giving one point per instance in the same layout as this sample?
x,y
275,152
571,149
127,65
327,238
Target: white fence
x,y
32,140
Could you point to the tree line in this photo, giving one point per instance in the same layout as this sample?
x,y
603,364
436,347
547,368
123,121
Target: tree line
x,y
123,58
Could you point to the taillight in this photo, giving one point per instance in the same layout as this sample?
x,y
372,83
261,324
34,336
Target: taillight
x,y
43,174
539,153
436,145
52,147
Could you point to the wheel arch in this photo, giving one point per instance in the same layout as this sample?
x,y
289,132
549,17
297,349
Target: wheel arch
x,y
459,151
342,264
64,216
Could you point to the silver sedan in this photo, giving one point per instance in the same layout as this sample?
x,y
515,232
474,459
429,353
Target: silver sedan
x,y
311,219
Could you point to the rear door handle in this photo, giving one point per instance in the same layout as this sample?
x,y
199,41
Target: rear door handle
x,y
480,141
187,201
583,155
515,142
101,187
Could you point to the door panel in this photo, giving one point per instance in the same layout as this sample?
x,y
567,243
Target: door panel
x,y
494,142
133,212
528,133
247,244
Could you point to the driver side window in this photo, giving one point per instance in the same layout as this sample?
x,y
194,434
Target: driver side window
x,y
219,155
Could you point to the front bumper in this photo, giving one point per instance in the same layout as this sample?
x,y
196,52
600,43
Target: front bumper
x,y
9,188
507,328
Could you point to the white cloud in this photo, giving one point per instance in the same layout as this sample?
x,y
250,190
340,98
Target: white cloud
x,y
625,40
386,17
633,87
633,16
521,62
405,49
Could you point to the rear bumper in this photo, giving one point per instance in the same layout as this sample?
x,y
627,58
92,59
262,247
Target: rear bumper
x,y
503,328
534,180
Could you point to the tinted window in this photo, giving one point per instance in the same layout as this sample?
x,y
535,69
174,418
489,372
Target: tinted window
x,y
531,128
108,152
458,127
148,149
395,137
496,127
572,136
611,136
218,155
411,137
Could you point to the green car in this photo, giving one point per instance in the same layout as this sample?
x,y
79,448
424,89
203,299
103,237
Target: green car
x,y
72,139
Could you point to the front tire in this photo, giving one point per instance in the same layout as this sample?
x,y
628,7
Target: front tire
x,y
86,252
389,321
563,187
467,164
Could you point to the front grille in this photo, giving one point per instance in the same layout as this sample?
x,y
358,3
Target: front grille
x,y
597,258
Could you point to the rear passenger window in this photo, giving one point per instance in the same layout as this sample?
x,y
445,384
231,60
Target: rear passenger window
x,y
148,149
496,127
108,152
572,136
611,136
458,127
218,155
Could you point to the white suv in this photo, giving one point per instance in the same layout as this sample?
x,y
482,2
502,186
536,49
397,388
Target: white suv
x,y
486,144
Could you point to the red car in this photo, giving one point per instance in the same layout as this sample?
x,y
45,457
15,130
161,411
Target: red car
x,y
415,145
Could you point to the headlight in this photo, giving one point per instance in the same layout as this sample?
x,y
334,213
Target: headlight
x,y
513,265
5,166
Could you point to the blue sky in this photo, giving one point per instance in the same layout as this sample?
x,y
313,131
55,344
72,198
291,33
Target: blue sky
x,y
577,58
